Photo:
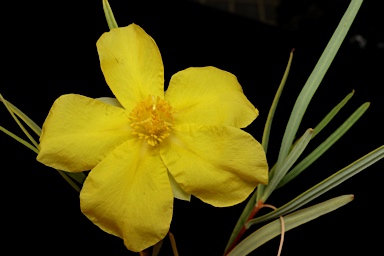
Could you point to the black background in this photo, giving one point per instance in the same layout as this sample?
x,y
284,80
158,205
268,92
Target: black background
x,y
48,49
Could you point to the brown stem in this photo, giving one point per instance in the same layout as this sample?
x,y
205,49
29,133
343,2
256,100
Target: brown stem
x,y
144,253
255,210
173,243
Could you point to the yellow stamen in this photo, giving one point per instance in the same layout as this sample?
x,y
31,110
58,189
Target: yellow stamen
x,y
152,119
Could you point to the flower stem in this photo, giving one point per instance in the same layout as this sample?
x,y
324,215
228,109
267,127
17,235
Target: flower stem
x,y
258,206
173,244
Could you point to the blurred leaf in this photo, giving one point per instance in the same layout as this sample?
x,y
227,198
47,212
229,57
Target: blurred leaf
x,y
77,176
70,182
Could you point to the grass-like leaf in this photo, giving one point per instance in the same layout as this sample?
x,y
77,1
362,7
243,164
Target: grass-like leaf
x,y
287,164
268,123
323,186
70,182
18,122
302,102
18,139
77,176
331,115
28,121
315,154
13,110
315,79
109,15
273,229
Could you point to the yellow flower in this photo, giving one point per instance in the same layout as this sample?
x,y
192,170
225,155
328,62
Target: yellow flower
x,y
148,146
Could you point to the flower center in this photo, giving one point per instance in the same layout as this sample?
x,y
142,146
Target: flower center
x,y
151,120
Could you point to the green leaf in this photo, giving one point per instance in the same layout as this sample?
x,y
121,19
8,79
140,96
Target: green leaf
x,y
70,182
18,122
331,114
268,123
315,78
243,218
315,154
18,139
323,186
31,124
287,164
291,221
77,176
109,15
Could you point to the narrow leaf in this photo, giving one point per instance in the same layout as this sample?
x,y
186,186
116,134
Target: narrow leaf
x,y
31,124
287,164
268,123
109,15
70,182
323,186
18,122
315,154
77,176
291,221
315,78
18,139
331,115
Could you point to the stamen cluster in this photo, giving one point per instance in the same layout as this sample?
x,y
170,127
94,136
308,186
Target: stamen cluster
x,y
151,120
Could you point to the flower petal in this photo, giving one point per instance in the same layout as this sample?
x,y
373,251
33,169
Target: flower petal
x,y
131,64
221,165
128,195
209,96
79,132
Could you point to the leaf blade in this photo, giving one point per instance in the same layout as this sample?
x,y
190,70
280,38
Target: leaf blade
x,y
316,77
271,230
109,15
324,186
333,138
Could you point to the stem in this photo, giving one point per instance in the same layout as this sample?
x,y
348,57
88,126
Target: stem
x,y
173,244
144,253
255,210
